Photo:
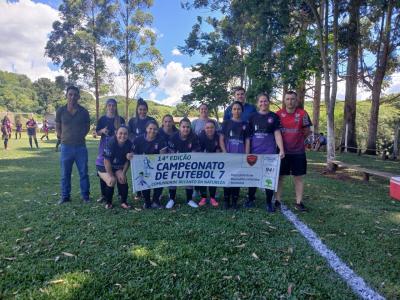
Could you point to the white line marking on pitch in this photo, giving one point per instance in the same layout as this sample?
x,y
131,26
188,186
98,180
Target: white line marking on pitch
x,y
357,284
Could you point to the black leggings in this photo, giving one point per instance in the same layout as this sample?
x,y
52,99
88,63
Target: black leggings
x,y
5,141
156,196
268,194
109,191
231,193
211,189
17,133
34,138
189,193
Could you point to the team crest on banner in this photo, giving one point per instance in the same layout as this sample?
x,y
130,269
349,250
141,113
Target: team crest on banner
x,y
251,159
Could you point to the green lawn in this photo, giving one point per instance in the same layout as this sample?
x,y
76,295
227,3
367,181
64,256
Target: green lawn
x,y
366,161
79,251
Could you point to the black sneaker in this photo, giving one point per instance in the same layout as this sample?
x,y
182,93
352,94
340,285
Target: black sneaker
x,y
64,200
156,205
234,205
270,208
86,199
249,204
147,206
277,204
300,207
226,205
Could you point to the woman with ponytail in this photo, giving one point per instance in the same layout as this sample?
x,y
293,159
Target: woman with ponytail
x,y
137,124
106,128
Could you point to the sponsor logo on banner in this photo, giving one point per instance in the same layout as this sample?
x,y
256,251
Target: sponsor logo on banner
x,y
251,159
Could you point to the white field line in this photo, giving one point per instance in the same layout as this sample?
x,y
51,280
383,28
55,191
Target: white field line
x,y
357,284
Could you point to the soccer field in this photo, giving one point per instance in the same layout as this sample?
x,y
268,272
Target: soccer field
x,y
83,251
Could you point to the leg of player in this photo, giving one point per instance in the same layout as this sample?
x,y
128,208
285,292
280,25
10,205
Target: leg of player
x,y
278,194
189,195
299,188
212,190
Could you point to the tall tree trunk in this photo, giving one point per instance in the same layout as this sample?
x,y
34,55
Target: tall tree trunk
x,y
95,64
395,153
284,91
317,102
377,83
96,82
350,103
127,96
330,111
126,62
301,93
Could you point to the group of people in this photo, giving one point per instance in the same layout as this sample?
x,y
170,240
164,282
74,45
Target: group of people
x,y
31,128
245,129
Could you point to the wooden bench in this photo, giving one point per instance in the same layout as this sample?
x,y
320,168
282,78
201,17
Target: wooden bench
x,y
366,172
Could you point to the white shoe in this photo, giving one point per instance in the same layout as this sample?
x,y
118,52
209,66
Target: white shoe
x,y
193,204
170,204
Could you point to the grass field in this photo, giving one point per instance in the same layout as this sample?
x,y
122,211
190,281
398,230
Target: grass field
x,y
82,251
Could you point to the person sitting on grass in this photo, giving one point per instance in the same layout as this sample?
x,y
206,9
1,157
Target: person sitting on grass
x,y
183,141
235,138
265,137
320,142
115,167
209,142
150,143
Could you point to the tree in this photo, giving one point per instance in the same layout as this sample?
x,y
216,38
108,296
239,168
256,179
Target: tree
x,y
324,29
133,43
351,40
317,102
383,44
48,95
183,110
77,42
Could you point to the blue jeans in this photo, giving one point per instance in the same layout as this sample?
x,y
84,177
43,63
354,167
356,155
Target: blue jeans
x,y
69,155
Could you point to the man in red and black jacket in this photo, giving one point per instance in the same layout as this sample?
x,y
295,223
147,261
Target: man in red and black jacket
x,y
295,127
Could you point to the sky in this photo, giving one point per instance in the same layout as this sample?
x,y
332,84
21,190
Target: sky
x,y
25,25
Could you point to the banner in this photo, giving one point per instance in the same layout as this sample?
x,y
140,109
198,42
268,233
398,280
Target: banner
x,y
205,169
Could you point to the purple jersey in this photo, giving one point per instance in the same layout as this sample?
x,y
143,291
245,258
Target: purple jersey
x,y
137,126
31,127
103,122
142,146
178,145
235,134
207,144
262,129
116,154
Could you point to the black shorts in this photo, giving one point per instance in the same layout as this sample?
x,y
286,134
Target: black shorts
x,y
294,164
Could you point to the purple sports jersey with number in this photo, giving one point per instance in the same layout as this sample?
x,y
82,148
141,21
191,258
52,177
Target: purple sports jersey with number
x,y
262,128
235,133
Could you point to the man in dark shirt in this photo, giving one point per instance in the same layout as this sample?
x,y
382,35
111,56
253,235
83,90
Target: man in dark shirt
x,y
72,126
248,109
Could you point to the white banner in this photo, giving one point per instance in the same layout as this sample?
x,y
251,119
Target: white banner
x,y
205,169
